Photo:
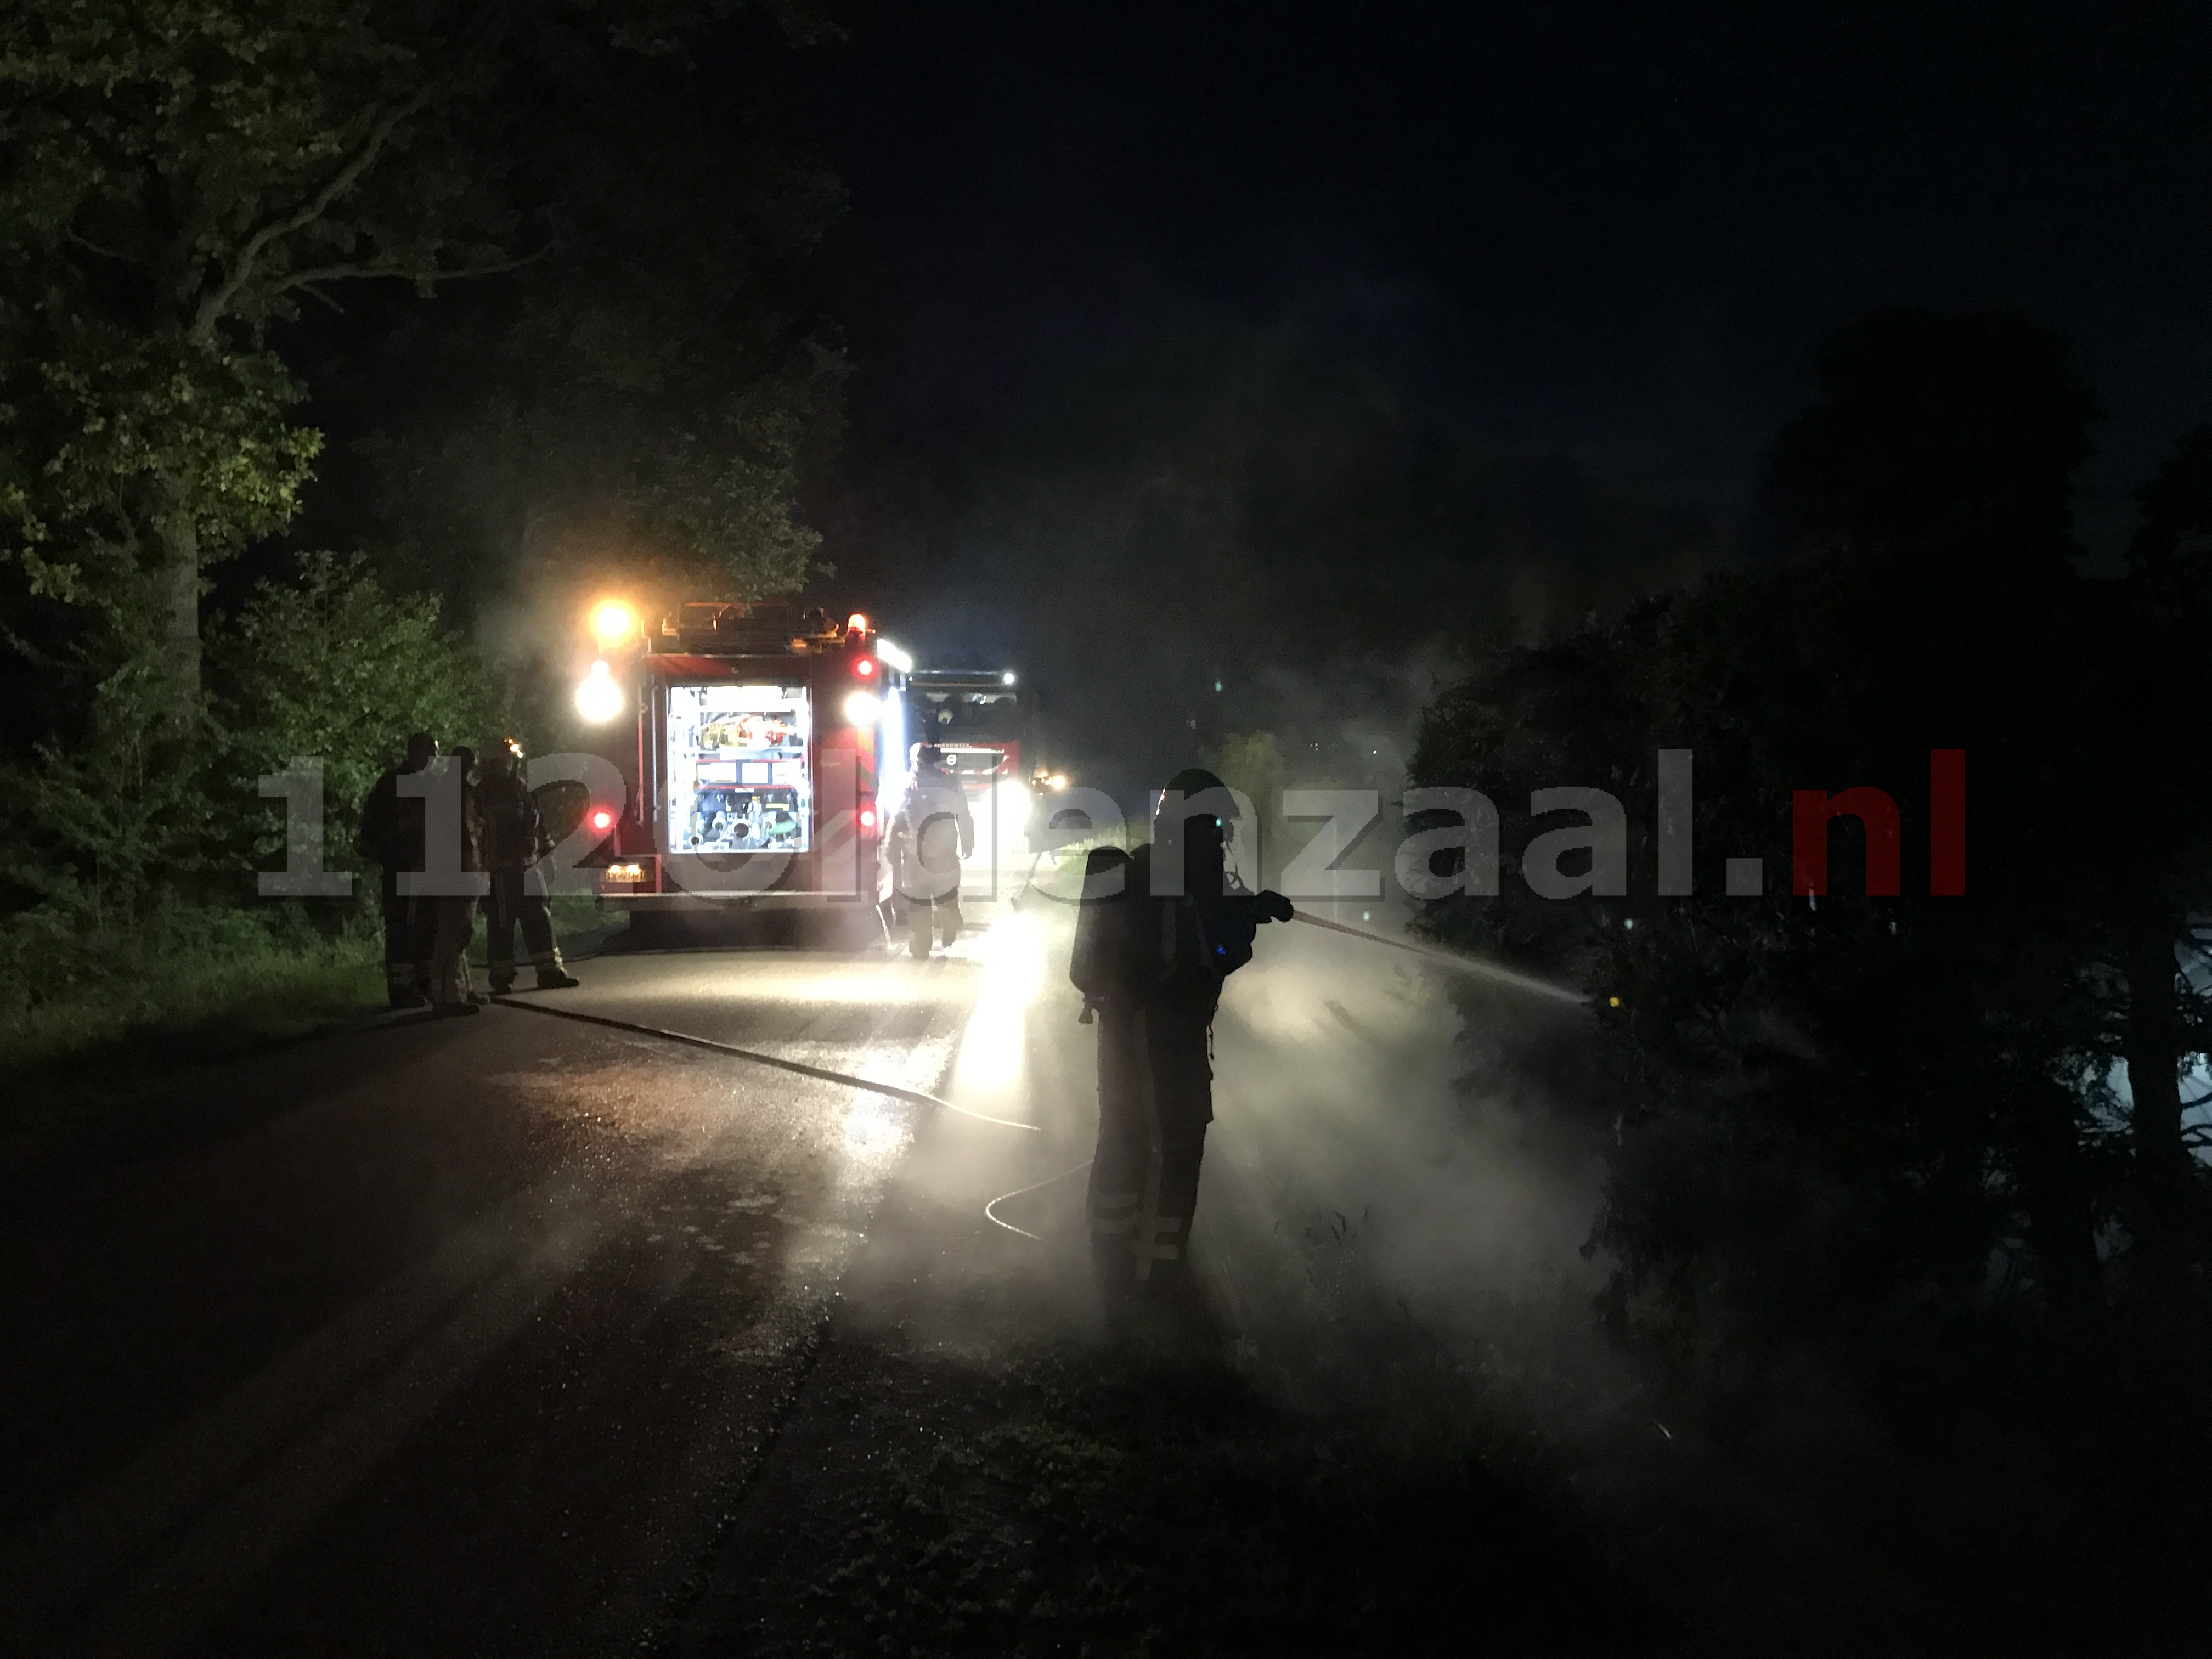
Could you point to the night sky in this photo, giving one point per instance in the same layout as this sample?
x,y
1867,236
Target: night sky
x,y
1619,232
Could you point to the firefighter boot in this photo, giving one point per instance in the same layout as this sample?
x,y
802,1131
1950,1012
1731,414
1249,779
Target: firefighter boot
x,y
402,990
556,978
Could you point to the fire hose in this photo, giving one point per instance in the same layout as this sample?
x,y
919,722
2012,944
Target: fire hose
x,y
1485,969
1488,970
1465,964
820,1072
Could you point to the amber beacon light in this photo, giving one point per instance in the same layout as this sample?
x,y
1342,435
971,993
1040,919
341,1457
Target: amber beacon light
x,y
614,623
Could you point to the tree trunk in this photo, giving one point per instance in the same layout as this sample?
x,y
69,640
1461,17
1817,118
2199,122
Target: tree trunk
x,y
2153,1048
2056,1190
180,596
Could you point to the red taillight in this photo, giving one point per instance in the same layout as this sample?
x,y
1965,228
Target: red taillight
x,y
864,667
603,818
867,817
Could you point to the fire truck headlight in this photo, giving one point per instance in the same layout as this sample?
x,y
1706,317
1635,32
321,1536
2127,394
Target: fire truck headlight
x,y
862,707
1057,781
614,621
598,699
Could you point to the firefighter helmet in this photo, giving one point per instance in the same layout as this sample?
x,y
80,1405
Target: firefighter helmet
x,y
1195,780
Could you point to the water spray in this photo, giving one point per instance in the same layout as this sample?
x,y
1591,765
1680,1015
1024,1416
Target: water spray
x,y
1475,965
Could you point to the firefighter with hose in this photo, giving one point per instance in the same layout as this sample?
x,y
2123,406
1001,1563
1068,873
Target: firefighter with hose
x,y
1159,931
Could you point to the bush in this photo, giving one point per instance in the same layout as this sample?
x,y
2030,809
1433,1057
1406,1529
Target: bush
x,y
130,901
337,668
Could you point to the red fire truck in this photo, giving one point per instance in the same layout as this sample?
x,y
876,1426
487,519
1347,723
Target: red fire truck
x,y
767,741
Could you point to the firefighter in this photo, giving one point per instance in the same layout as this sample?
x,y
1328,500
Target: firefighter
x,y
933,835
515,839
391,838
1152,945
453,914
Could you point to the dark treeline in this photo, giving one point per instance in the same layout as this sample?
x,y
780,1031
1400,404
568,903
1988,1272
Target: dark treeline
x,y
1944,1149
497,303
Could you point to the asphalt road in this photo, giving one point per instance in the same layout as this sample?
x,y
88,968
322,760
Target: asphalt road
x,y
507,1335
462,1336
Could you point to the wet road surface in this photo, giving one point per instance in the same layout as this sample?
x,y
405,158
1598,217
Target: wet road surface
x,y
515,1335
465,1343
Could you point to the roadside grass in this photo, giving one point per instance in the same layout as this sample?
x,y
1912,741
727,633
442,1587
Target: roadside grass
x,y
108,1039
94,1021
197,1009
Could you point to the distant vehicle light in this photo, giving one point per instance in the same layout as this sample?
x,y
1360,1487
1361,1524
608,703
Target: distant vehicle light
x,y
598,699
893,656
864,667
1006,679
1057,781
862,707
614,621
867,817
603,818
856,624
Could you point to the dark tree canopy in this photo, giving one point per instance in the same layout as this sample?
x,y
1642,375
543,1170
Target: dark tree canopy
x,y
176,182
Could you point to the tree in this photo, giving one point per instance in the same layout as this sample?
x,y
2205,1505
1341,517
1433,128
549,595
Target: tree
x,y
1832,1118
335,666
642,408
1828,1117
174,179
2157,903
